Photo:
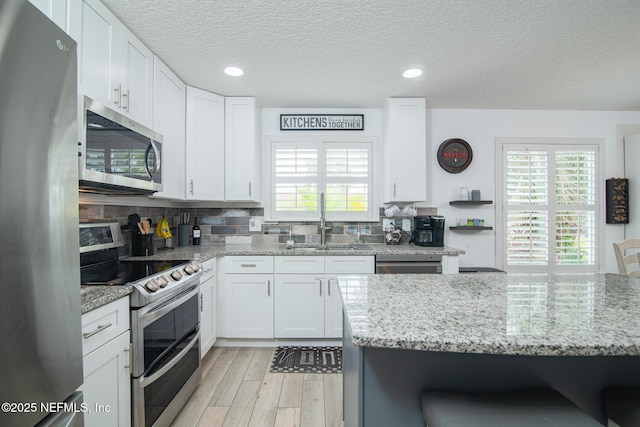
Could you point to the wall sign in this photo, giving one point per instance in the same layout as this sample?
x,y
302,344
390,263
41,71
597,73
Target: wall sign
x,y
455,155
321,121
617,200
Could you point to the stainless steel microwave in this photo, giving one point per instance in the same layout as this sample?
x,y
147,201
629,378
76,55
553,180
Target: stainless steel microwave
x,y
117,155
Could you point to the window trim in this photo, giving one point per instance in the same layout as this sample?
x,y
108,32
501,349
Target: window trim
x,y
373,214
502,143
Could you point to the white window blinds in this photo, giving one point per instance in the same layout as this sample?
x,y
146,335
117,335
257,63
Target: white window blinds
x,y
303,170
550,201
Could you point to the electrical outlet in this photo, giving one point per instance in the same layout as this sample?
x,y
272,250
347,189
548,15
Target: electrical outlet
x,y
388,224
255,223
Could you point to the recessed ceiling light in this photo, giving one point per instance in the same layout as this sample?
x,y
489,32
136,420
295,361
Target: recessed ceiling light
x,y
412,73
233,71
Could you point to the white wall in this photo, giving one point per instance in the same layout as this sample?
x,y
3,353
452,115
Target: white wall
x,y
480,128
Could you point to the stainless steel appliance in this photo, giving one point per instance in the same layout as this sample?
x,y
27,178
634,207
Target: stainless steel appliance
x,y
40,330
428,231
165,321
408,263
117,155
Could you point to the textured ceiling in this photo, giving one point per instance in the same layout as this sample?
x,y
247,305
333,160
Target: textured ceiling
x,y
511,54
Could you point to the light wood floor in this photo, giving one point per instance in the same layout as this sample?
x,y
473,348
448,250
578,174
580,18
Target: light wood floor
x,y
237,389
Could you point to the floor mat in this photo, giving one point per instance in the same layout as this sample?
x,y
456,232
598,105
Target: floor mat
x,y
321,360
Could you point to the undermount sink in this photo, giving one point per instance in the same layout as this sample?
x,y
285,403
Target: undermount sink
x,y
331,247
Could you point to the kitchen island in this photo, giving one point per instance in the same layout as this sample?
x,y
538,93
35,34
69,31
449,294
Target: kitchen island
x,y
403,334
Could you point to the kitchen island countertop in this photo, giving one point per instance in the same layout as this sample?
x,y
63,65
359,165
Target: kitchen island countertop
x,y
404,334
510,314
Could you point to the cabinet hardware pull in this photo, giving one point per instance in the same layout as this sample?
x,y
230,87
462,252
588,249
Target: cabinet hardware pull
x,y
99,329
200,302
119,101
268,288
394,189
129,355
126,97
249,188
329,287
320,281
248,265
191,187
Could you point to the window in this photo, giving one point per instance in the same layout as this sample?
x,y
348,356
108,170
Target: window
x,y
302,170
550,205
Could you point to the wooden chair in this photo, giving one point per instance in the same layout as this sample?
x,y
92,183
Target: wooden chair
x,y
625,260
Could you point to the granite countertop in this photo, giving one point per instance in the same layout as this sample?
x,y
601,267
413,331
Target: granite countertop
x,y
92,297
204,252
516,314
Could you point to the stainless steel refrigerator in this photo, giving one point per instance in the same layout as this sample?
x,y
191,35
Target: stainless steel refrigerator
x,y
40,329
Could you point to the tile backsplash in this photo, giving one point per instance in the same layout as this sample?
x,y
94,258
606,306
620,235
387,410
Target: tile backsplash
x,y
232,225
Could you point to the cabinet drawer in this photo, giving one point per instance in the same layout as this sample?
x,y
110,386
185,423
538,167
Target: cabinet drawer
x,y
248,264
208,269
349,265
299,264
103,324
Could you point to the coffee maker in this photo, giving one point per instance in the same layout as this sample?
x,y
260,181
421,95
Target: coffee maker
x,y
428,231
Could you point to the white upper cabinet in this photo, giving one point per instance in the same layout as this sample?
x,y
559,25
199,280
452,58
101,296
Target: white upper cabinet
x,y
115,68
405,148
205,172
169,94
242,149
59,11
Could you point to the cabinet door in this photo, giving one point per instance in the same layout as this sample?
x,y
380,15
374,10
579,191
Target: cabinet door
x,y
299,306
242,153
249,305
405,150
169,96
136,78
107,384
99,54
332,309
207,315
205,145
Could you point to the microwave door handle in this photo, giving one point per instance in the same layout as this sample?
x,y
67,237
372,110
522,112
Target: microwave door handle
x,y
152,145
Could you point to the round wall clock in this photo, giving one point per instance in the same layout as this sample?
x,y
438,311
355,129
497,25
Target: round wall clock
x,y
455,155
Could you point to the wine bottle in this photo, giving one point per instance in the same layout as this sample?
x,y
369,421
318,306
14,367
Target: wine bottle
x,y
196,232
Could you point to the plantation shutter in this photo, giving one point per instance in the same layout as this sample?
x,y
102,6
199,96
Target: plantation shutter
x,y
550,207
347,179
303,170
295,179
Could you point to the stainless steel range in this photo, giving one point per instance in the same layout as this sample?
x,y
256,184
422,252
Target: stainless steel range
x,y
165,321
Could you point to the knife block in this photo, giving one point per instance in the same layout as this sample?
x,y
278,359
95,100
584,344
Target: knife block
x,y
141,244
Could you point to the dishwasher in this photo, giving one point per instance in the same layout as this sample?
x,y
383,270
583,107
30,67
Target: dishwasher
x,y
408,264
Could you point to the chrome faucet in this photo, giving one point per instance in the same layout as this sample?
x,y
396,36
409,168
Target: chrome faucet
x,y
323,226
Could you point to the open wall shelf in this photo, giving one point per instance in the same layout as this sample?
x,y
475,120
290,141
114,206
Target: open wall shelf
x,y
470,202
470,228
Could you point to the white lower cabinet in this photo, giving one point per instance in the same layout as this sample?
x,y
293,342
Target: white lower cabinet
x,y
299,306
106,363
309,305
207,306
332,309
248,295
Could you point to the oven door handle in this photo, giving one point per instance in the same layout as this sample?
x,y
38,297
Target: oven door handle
x,y
148,314
145,381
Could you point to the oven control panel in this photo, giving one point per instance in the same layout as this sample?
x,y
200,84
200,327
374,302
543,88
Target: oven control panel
x,y
165,283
